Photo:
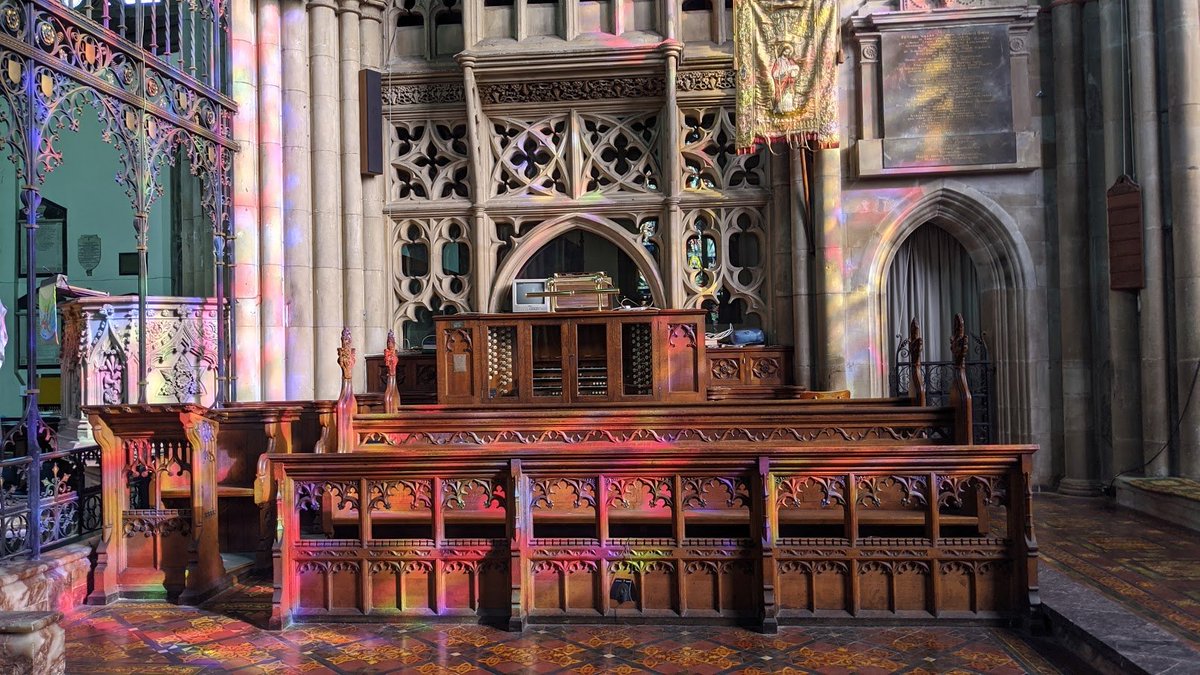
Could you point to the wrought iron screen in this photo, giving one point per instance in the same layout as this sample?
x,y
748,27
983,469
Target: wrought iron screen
x,y
68,498
981,374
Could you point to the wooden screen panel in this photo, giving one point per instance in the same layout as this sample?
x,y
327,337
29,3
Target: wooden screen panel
x,y
910,583
456,363
683,345
831,592
794,589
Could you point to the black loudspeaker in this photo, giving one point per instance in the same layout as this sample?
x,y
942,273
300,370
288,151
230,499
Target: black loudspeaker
x,y
370,122
621,590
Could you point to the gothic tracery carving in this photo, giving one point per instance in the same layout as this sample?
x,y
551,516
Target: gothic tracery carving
x,y
529,157
428,160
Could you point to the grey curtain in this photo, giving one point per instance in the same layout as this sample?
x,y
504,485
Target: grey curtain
x,y
932,277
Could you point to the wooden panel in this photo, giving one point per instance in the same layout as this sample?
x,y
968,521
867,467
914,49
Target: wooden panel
x,y
457,362
1126,263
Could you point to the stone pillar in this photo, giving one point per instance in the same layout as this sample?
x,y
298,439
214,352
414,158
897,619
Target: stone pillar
x,y
1073,247
482,260
1182,34
326,193
270,208
245,293
352,204
801,300
671,231
297,203
1155,382
377,292
831,251
1124,388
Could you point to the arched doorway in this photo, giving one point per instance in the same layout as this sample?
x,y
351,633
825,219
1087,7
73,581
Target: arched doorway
x,y
932,277
1010,300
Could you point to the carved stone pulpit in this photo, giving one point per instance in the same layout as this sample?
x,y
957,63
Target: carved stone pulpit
x,y
100,356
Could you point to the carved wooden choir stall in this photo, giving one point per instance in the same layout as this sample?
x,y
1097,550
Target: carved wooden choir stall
x,y
499,507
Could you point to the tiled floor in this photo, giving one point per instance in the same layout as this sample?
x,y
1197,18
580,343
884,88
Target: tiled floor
x,y
1148,565
160,638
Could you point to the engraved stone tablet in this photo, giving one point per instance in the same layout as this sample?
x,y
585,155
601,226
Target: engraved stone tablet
x,y
947,97
89,252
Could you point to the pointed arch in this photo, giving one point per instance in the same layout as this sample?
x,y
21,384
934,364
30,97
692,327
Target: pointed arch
x,y
1009,289
529,244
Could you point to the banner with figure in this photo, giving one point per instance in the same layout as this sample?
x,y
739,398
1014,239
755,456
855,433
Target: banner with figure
x,y
785,55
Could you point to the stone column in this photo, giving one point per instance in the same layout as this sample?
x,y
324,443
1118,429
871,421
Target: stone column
x,y
377,290
1156,420
270,207
297,203
671,235
1182,35
326,192
245,293
1073,247
831,251
801,301
1123,331
298,239
352,205
482,260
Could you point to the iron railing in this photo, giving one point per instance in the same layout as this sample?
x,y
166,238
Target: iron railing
x,y
62,495
939,375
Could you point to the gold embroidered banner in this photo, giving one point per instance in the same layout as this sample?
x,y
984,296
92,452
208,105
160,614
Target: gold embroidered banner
x,y
785,54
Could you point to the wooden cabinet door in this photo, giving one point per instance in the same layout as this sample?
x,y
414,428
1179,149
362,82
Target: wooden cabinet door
x,y
458,362
681,368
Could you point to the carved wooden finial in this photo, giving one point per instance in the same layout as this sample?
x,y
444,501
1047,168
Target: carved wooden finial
x,y
958,342
391,396
390,357
960,390
346,355
916,352
916,343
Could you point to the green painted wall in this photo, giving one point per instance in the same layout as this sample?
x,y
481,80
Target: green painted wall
x,y
85,184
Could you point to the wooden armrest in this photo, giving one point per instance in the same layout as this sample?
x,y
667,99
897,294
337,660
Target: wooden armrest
x,y
649,517
722,516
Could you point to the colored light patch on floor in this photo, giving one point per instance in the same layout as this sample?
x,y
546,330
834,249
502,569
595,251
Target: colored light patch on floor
x,y
161,638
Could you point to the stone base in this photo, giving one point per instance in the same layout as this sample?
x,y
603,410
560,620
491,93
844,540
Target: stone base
x,y
32,643
74,433
57,582
1178,506
1079,488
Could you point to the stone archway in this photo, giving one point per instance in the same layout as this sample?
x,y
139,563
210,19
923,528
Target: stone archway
x,y
1010,296
529,244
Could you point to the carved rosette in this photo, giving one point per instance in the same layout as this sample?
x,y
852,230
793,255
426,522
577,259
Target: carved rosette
x,y
726,369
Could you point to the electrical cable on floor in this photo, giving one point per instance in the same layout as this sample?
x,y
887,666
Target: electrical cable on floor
x,y
1174,434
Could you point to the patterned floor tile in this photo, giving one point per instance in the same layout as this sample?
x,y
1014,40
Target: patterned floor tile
x,y
141,638
1150,566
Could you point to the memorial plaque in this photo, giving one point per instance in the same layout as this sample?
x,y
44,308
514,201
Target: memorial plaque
x,y
89,252
947,97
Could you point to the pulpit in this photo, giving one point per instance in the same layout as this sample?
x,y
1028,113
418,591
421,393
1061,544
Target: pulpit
x,y
100,356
